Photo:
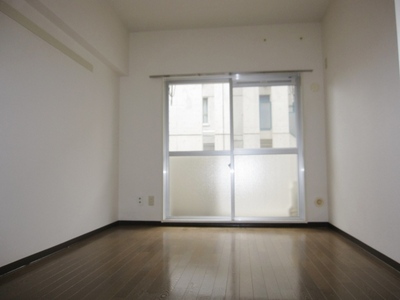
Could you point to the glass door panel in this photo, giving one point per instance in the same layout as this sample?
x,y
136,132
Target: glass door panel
x,y
200,186
266,186
199,117
264,117
265,147
199,151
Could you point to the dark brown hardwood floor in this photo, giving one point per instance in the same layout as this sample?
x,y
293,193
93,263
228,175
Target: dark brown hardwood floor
x,y
132,262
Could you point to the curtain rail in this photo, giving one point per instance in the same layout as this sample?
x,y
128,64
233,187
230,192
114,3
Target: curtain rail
x,y
228,74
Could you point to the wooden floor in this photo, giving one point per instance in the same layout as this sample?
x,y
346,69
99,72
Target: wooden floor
x,y
206,263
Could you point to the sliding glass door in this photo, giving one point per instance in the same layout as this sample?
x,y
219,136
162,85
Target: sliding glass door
x,y
233,149
266,146
199,150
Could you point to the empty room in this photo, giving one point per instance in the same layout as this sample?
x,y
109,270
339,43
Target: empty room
x,y
187,149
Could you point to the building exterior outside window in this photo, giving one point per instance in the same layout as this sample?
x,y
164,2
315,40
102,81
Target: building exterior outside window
x,y
264,117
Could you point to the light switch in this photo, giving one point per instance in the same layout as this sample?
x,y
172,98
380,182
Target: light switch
x,y
151,200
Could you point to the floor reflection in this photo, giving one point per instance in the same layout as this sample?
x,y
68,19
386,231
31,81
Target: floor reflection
x,y
133,262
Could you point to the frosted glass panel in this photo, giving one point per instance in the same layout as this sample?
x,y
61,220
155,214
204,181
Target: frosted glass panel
x,y
200,186
264,117
266,186
199,117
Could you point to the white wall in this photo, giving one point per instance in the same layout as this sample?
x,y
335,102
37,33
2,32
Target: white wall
x,y
59,141
363,105
95,24
260,48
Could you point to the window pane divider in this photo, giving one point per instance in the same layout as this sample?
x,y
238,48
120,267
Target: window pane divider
x,y
266,151
200,153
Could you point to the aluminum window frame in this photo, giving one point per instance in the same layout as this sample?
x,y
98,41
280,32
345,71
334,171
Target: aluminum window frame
x,y
233,81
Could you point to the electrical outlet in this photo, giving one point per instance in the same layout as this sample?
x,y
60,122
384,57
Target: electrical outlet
x,y
151,200
140,200
319,202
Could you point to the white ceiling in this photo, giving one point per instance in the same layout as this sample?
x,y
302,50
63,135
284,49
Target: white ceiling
x,y
153,15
